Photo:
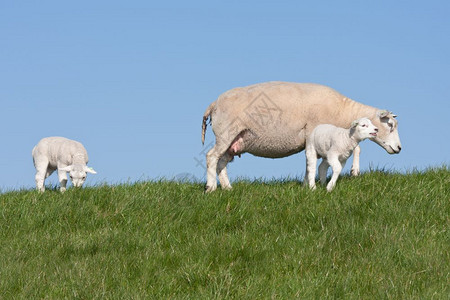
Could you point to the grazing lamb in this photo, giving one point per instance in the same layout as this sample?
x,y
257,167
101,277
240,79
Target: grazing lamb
x,y
334,145
66,155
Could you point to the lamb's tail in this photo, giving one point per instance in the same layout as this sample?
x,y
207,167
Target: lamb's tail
x,y
206,115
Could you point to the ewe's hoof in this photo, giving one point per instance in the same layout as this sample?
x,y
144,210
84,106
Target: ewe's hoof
x,y
355,172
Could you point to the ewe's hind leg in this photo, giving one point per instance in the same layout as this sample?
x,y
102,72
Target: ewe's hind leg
x,y
355,164
323,168
337,167
228,139
212,159
222,171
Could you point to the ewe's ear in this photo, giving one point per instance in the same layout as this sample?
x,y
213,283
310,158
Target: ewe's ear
x,y
383,113
89,170
354,124
66,169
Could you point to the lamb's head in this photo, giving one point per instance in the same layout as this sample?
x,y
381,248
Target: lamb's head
x,y
387,136
78,173
363,129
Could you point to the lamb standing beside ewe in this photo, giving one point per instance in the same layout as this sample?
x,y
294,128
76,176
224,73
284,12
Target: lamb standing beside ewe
x,y
334,145
64,155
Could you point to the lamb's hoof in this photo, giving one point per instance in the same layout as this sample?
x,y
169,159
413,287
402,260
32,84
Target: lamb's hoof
x,y
209,189
62,190
227,188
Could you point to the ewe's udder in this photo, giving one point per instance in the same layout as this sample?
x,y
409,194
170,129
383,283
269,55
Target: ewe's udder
x,y
236,146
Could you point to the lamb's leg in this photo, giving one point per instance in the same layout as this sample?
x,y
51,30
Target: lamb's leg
x,y
355,164
337,168
323,168
41,171
49,172
222,171
62,176
311,163
39,179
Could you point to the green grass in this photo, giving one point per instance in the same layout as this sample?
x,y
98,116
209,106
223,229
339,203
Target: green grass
x,y
378,236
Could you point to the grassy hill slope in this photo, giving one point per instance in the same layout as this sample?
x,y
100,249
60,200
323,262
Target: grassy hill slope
x,y
381,235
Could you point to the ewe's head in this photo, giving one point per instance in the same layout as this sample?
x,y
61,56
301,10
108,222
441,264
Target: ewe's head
x,y
363,129
78,173
387,136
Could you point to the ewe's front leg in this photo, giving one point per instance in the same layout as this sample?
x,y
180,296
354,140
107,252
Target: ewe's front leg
x,y
62,176
323,168
355,165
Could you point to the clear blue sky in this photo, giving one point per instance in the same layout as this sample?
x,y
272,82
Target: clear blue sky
x,y
131,79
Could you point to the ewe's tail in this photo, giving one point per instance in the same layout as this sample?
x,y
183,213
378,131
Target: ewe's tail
x,y
206,115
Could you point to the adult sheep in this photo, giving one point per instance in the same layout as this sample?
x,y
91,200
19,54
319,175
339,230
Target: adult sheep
x,y
64,155
273,120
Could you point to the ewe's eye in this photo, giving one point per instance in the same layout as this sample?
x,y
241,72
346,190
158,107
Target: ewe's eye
x,y
391,126
84,178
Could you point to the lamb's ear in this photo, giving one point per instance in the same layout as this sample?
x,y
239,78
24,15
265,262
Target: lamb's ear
x,y
89,170
354,124
383,113
66,169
